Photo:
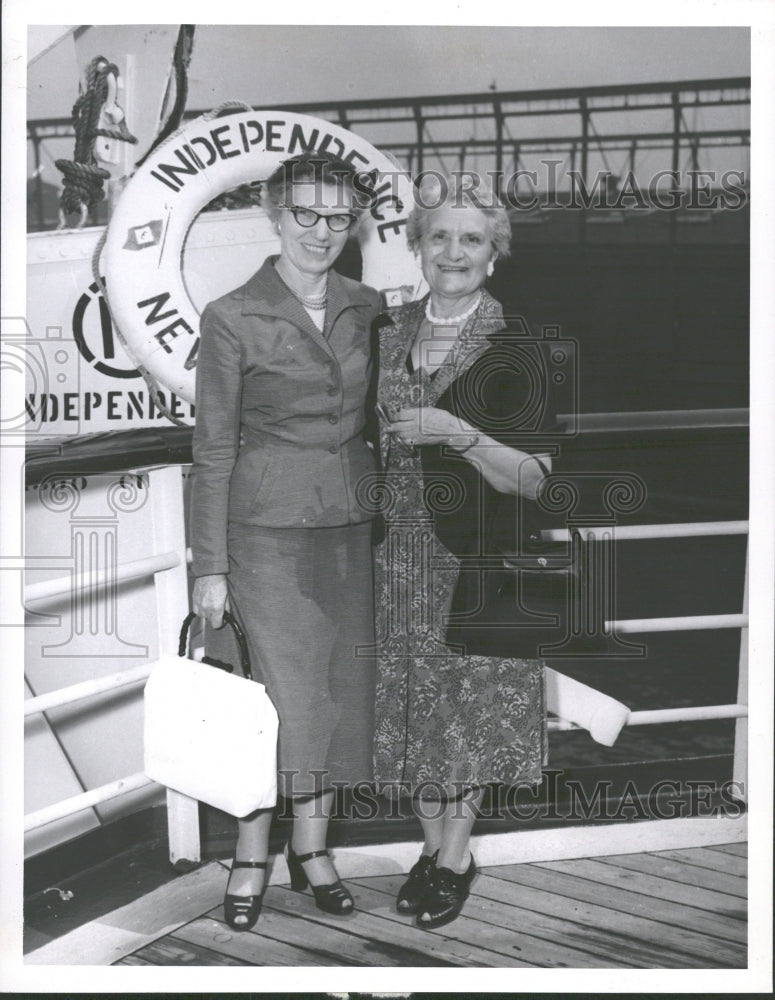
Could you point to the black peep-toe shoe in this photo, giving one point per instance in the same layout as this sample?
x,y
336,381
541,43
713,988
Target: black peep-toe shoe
x,y
446,896
333,898
415,889
248,907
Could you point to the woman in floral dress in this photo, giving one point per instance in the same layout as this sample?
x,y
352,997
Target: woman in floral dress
x,y
448,722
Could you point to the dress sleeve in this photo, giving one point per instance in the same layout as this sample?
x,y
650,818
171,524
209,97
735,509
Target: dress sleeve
x,y
216,441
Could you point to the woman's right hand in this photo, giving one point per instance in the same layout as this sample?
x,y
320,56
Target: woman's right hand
x,y
211,598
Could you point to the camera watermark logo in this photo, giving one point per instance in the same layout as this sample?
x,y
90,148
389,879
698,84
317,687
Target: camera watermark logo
x,y
84,513
46,366
534,380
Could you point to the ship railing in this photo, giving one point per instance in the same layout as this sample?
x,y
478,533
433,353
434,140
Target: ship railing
x,y
681,623
169,570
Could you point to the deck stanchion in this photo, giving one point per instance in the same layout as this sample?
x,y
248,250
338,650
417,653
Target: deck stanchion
x,y
740,761
166,491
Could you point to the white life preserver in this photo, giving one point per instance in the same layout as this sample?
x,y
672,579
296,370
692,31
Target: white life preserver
x,y
141,258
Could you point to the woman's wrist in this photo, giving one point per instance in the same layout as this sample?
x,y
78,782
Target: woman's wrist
x,y
463,443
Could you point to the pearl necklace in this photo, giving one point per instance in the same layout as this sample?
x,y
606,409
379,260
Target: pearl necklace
x,y
314,302
451,320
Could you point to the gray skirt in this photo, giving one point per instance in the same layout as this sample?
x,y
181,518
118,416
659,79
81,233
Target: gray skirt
x,y
304,597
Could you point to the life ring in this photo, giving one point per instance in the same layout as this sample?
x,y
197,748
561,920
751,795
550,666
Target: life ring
x,y
141,257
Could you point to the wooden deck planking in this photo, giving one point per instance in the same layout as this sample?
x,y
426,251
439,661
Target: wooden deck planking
x,y
674,909
704,857
269,943
719,908
359,937
741,850
173,950
502,927
680,871
376,921
632,922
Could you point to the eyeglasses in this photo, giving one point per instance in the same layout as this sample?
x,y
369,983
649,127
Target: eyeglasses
x,y
307,218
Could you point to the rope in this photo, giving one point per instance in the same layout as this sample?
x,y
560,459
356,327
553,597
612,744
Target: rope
x,y
83,177
82,187
228,106
184,48
150,381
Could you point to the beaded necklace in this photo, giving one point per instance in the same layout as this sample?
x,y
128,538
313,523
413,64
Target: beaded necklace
x,y
315,302
451,320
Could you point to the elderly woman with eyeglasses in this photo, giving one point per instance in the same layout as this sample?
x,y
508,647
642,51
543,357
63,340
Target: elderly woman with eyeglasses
x,y
282,376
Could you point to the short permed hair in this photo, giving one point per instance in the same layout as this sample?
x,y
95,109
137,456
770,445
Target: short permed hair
x,y
310,167
464,188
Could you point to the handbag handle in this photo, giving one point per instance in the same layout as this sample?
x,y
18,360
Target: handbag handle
x,y
228,619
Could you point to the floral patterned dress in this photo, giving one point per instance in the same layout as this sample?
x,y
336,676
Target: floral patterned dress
x,y
442,718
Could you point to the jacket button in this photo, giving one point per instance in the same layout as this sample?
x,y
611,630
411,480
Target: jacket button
x,y
333,419
334,448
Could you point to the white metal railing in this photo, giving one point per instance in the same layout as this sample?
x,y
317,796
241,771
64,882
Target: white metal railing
x,y
658,716
86,689
183,818
685,623
85,800
647,420
637,532
691,714
81,583
165,488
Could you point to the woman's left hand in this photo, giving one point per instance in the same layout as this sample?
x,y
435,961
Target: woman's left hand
x,y
423,425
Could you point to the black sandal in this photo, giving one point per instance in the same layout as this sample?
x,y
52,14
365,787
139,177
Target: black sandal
x,y
243,906
446,896
333,898
413,891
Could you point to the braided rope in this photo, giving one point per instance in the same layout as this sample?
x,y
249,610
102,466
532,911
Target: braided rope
x,y
82,185
83,178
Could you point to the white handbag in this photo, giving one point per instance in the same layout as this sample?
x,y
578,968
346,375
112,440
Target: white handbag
x,y
210,734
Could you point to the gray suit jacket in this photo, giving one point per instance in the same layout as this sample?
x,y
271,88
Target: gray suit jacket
x,y
280,412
